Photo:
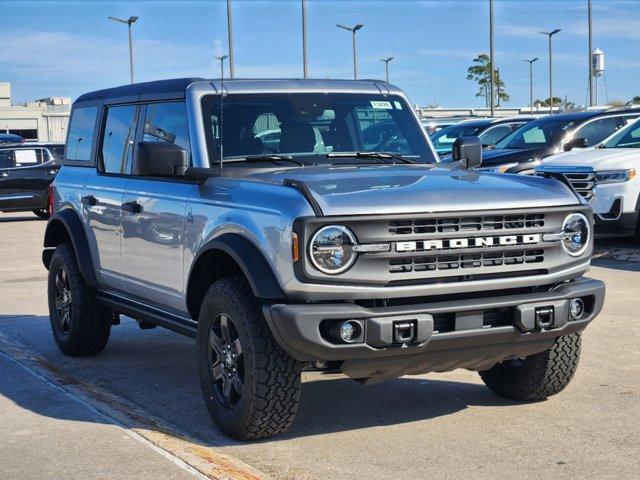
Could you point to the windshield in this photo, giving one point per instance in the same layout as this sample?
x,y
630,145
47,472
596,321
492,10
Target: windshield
x,y
537,134
313,127
443,139
628,137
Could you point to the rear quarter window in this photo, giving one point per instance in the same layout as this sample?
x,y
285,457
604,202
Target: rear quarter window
x,y
81,129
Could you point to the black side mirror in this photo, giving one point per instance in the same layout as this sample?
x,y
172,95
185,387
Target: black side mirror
x,y
160,159
576,143
467,150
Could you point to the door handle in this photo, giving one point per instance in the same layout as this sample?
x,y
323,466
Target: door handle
x,y
89,200
51,172
133,207
4,174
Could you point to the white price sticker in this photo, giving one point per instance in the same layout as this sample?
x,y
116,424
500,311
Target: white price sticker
x,y
381,105
27,157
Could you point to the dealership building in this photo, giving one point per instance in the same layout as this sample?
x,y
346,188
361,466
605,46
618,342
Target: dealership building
x,y
43,120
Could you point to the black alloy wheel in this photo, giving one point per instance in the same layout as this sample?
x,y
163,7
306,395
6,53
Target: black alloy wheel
x,y
226,362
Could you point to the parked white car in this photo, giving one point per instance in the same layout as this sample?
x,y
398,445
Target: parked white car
x,y
613,165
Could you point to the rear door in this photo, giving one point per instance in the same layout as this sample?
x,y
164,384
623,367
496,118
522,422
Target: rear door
x,y
153,229
34,171
103,191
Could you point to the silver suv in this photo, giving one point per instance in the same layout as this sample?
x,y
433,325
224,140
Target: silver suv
x,y
292,225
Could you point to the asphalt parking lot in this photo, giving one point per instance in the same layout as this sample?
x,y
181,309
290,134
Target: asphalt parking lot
x,y
429,426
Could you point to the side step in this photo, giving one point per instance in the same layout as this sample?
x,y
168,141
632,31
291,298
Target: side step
x,y
144,313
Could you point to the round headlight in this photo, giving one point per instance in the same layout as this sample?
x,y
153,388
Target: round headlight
x,y
331,249
575,234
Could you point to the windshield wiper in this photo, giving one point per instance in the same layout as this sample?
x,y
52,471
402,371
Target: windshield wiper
x,y
272,157
375,155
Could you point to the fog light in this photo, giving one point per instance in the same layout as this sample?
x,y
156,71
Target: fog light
x,y
576,308
349,332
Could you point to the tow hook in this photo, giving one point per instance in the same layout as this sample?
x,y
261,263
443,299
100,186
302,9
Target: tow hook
x,y
544,317
403,332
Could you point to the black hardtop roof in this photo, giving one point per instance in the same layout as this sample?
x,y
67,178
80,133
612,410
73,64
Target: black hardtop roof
x,y
175,88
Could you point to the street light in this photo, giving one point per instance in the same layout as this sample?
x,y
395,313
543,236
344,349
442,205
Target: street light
x,y
530,62
222,58
353,30
230,39
550,34
305,70
386,66
130,21
492,65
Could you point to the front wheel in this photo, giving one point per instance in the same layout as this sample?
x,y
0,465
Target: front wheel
x,y
538,376
250,385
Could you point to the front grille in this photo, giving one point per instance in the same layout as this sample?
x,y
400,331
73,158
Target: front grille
x,y
475,260
465,224
583,183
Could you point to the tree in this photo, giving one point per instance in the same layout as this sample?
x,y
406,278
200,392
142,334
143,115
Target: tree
x,y
635,100
557,102
480,72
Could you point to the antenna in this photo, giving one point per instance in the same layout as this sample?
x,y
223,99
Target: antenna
x,y
221,123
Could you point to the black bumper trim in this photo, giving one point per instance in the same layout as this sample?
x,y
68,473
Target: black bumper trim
x,y
296,327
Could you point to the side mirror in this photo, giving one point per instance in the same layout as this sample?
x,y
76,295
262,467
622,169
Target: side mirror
x,y
576,143
467,150
160,159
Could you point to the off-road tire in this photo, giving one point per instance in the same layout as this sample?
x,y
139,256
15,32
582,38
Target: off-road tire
x,y
89,323
41,213
271,386
538,376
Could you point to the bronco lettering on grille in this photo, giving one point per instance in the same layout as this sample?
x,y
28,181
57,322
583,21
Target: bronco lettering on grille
x,y
475,242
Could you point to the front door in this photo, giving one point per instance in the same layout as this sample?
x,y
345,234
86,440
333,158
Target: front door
x,y
154,223
102,197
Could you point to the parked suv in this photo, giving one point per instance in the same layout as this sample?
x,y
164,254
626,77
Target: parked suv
x,y
522,150
26,171
608,173
319,254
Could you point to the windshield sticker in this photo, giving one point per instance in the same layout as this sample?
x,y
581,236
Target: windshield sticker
x,y
25,157
381,105
397,104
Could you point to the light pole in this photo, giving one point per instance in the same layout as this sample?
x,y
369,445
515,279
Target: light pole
x,y
230,39
353,30
491,60
386,66
590,52
222,58
129,22
550,34
530,62
304,39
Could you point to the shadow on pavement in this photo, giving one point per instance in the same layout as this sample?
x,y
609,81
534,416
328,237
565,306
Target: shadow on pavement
x,y
616,264
11,218
156,370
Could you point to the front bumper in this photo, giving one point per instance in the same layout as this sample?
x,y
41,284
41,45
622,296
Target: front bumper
x,y
469,341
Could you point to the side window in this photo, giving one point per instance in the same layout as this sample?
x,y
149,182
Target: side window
x,y
80,141
167,122
26,157
597,130
7,159
118,138
493,135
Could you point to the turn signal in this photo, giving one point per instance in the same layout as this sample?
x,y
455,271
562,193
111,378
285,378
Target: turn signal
x,y
295,248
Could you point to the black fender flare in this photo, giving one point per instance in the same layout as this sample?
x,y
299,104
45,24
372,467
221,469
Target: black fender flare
x,y
251,261
68,220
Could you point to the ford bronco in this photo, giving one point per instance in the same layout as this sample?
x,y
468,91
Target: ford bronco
x,y
306,225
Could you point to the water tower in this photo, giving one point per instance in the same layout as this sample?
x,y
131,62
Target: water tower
x,y
597,64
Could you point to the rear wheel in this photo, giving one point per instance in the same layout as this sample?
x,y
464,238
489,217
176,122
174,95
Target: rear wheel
x,y
42,213
538,376
80,326
250,385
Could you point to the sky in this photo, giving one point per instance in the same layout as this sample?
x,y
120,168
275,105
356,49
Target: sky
x,y
57,48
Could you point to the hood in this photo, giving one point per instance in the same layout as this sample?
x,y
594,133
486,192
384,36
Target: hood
x,y
598,158
393,189
491,158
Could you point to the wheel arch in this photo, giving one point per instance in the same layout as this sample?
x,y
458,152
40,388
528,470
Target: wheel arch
x,y
228,255
65,226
